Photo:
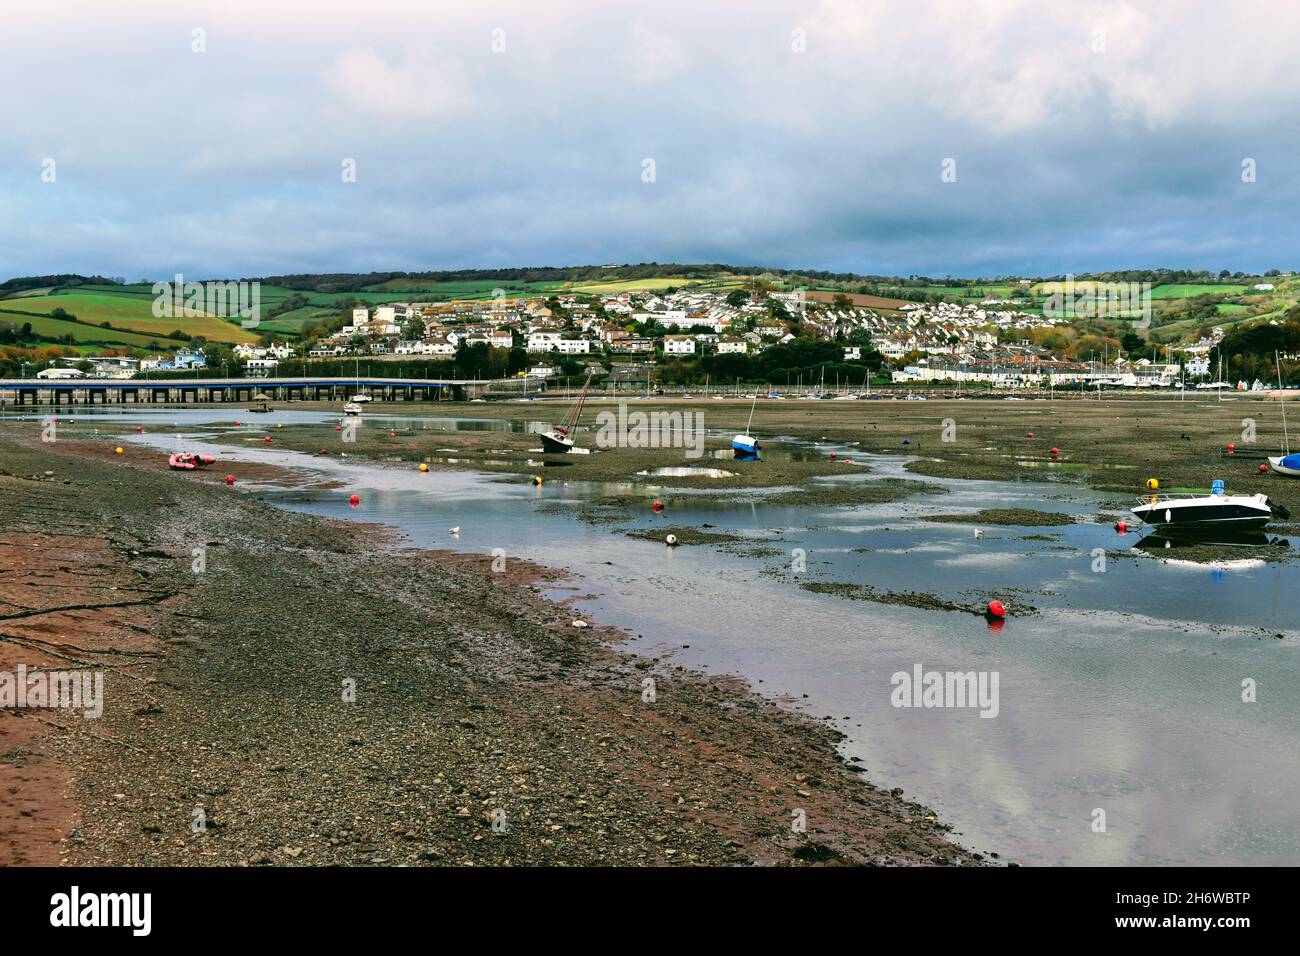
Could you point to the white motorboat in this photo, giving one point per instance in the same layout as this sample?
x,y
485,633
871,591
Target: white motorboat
x,y
1217,509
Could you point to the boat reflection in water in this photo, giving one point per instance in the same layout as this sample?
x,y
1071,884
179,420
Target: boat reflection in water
x,y
1248,539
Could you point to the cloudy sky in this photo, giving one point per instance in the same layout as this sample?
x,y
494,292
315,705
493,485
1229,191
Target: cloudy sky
x,y
214,138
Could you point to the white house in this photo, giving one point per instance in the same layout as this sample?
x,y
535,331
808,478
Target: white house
x,y
573,346
679,345
731,344
543,341
60,373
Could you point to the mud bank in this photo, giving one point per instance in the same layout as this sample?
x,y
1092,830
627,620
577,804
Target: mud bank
x,y
317,694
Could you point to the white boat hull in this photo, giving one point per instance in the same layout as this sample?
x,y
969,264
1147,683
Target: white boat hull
x,y
744,445
1286,465
1231,511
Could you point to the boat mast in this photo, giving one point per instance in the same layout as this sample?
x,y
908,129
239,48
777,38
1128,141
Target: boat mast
x,y
1286,439
751,413
572,418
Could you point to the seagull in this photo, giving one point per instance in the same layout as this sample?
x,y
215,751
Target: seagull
x,y
979,533
455,530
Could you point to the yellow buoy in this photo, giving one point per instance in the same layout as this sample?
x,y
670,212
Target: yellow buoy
x,y
279,425
1153,484
118,450
423,468
537,479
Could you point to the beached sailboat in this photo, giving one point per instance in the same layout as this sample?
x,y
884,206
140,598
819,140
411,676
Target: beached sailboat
x,y
1285,463
746,445
558,440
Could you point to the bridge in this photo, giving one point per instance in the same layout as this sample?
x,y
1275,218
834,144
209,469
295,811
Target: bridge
x,y
139,391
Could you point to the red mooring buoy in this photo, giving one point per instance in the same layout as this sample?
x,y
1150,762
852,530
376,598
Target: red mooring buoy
x,y
354,500
230,479
1263,469
1121,527
658,505
996,609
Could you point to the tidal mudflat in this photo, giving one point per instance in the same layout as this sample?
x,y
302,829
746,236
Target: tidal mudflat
x,y
819,574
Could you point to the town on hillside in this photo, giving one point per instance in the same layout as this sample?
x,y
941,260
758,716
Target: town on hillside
x,y
1003,336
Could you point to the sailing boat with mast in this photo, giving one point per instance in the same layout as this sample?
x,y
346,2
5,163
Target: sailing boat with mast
x,y
1286,463
559,439
746,445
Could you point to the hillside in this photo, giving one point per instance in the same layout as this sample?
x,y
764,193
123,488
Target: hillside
x,y
1184,304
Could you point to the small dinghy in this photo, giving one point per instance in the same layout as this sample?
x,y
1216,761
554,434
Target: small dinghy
x,y
188,461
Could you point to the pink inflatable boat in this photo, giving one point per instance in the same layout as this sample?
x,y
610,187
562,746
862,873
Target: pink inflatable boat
x,y
188,461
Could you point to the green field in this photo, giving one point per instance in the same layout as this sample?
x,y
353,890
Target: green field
x,y
1175,291
970,291
405,289
135,314
82,334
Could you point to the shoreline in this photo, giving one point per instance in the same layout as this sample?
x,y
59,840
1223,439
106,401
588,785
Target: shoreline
x,y
475,695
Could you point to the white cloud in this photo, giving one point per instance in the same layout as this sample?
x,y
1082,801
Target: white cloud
x,y
422,88
1068,158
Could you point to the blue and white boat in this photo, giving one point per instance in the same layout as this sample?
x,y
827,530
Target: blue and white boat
x,y
746,445
1286,464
